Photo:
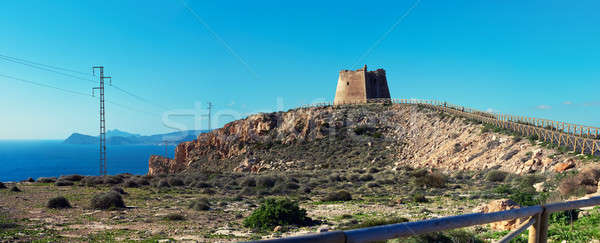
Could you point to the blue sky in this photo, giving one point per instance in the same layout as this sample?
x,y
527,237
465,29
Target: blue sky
x,y
538,58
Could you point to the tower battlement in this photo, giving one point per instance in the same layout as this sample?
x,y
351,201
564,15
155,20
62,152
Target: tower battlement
x,y
360,85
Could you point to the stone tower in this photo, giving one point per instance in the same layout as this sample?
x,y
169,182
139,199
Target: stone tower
x,y
360,85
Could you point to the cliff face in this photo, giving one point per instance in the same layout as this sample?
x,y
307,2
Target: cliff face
x,y
247,141
359,136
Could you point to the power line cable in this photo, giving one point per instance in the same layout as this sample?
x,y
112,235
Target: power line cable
x,y
46,85
42,66
133,109
46,69
73,92
46,65
219,39
138,97
385,35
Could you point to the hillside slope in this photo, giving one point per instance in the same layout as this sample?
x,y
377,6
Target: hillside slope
x,y
356,136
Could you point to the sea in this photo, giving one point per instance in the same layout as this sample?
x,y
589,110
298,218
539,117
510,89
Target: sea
x,y
22,159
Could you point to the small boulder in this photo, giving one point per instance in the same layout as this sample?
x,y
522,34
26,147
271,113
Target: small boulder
x,y
563,166
539,187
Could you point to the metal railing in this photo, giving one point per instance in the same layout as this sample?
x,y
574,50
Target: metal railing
x,y
537,223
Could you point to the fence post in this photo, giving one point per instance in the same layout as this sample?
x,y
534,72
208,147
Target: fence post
x,y
543,232
534,230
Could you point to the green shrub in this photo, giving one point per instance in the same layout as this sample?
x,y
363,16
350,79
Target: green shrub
x,y
58,203
15,189
496,175
433,179
92,180
163,183
108,200
113,180
486,128
265,182
372,184
119,190
564,217
6,223
373,170
200,184
71,178
62,182
337,196
360,130
277,211
131,183
366,177
143,181
371,222
291,186
249,182
419,172
584,229
503,189
533,138
46,179
176,182
354,177
201,204
418,197
570,185
525,197
174,217
335,178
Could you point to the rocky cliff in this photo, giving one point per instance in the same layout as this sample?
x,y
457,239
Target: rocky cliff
x,y
356,136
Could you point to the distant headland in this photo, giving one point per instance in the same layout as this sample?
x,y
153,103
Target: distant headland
x,y
118,137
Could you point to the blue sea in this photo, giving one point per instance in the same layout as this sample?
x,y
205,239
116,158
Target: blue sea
x,y
21,159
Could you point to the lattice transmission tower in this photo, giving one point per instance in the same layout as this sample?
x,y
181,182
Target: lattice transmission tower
x,y
102,118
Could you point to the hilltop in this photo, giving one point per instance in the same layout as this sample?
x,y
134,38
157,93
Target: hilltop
x,y
385,136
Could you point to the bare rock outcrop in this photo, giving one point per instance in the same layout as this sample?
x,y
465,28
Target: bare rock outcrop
x,y
563,166
501,205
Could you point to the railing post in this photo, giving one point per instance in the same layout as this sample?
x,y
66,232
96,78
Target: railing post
x,y
543,227
534,230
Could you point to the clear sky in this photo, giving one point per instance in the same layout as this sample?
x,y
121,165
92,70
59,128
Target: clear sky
x,y
538,58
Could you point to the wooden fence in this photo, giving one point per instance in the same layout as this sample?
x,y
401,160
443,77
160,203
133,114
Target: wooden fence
x,y
577,138
536,221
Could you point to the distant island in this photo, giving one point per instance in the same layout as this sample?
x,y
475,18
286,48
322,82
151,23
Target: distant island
x,y
118,137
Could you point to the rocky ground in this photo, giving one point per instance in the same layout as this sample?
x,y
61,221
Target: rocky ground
x,y
158,207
